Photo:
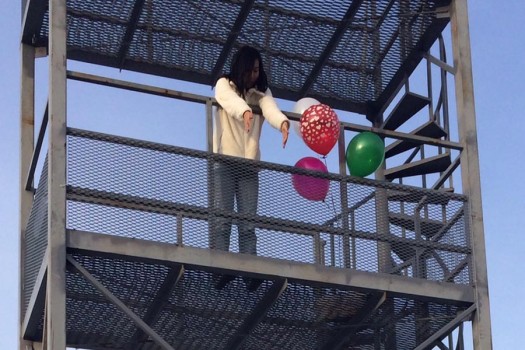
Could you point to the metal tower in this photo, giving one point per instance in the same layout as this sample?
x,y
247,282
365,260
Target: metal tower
x,y
116,250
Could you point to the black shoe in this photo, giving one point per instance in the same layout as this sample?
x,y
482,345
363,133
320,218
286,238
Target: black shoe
x,y
252,284
220,281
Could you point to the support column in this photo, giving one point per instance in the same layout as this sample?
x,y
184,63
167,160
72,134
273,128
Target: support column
x,y
27,146
481,328
56,289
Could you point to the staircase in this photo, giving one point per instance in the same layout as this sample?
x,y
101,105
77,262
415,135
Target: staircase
x,y
409,216
407,107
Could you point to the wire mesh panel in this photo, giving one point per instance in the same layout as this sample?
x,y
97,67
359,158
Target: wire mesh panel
x,y
199,316
348,52
143,190
187,312
92,321
35,237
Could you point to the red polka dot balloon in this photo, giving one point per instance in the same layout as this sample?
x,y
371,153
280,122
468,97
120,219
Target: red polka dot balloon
x,y
320,128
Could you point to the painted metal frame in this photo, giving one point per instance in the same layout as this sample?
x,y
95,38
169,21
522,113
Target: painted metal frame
x,y
54,273
470,173
56,262
27,121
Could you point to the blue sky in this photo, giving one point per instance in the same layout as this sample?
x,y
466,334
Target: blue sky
x,y
498,49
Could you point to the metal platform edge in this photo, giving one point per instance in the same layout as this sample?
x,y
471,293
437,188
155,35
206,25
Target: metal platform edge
x,y
246,265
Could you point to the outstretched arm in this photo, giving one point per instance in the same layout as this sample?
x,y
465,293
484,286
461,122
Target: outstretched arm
x,y
229,100
273,114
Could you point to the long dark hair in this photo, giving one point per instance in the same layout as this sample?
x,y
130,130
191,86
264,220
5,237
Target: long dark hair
x,y
242,63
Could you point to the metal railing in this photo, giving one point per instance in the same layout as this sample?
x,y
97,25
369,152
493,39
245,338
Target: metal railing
x,y
343,231
151,191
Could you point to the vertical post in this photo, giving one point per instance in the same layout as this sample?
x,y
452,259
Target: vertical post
x,y
383,248
56,265
420,271
353,240
209,125
341,143
444,96
384,261
180,238
344,198
317,248
211,174
27,146
481,328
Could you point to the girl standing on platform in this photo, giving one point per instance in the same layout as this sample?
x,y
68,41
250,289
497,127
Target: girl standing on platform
x,y
237,133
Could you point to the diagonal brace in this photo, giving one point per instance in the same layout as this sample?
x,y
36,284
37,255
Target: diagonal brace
x,y
447,328
259,312
130,31
173,277
234,33
112,298
331,46
366,312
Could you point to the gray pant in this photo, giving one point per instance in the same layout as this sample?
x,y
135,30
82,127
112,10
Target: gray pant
x,y
235,182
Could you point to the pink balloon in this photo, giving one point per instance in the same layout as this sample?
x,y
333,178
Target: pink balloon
x,y
309,187
320,128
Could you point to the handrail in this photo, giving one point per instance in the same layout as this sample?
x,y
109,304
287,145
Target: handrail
x,y
148,89
111,199
148,204
95,135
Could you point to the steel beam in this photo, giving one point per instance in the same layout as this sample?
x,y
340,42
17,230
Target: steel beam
x,y
258,313
184,96
357,322
331,45
27,133
119,304
449,327
470,171
29,180
130,30
192,211
446,174
224,262
130,86
56,268
161,299
234,33
443,65
36,303
449,277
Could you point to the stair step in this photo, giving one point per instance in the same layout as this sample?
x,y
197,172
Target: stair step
x,y
429,227
429,129
416,197
403,250
407,107
429,165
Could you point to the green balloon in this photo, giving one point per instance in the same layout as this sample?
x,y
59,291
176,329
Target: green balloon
x,y
364,154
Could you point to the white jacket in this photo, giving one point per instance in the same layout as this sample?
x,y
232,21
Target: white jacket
x,y
229,136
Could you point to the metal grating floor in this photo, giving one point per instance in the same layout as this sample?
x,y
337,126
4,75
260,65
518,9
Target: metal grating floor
x,y
192,314
350,54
